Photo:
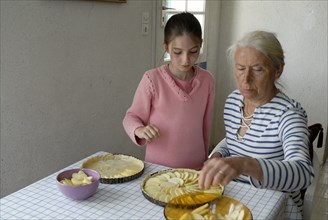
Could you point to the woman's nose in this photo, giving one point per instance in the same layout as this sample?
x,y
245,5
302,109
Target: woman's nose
x,y
248,75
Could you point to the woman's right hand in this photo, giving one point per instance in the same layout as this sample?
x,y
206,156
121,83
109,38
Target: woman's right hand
x,y
149,132
223,170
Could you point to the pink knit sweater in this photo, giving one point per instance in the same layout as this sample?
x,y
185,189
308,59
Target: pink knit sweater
x,y
184,119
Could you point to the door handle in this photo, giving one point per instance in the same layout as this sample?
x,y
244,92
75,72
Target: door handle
x,y
166,8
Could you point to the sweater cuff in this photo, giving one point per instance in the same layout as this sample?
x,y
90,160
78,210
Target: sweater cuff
x,y
139,142
130,129
260,183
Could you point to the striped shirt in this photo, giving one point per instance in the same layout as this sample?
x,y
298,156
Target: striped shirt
x,y
277,138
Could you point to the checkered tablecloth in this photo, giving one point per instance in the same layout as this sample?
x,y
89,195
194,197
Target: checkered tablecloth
x,y
42,200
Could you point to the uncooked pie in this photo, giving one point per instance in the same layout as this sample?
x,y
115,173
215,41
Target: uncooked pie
x,y
161,187
115,168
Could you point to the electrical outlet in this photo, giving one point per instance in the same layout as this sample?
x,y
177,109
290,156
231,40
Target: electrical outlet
x,y
145,29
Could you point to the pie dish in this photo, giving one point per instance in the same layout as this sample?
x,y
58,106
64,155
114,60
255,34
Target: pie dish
x,y
115,168
162,186
223,208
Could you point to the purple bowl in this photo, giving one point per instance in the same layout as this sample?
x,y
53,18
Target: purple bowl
x,y
78,192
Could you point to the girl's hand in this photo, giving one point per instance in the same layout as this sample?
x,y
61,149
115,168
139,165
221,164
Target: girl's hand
x,y
149,132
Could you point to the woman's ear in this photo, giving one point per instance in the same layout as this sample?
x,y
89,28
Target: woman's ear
x,y
279,71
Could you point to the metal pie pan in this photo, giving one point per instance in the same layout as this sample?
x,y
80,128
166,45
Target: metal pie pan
x,y
111,158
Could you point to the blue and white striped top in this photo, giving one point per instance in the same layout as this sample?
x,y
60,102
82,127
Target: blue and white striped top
x,y
277,138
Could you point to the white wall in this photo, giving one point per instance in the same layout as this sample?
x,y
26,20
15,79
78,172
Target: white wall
x,y
69,70
301,27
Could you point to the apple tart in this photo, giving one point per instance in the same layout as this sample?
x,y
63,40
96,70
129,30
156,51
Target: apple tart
x,y
162,186
115,168
223,208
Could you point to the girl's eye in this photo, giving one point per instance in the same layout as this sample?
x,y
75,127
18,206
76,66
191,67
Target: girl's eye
x,y
194,51
177,52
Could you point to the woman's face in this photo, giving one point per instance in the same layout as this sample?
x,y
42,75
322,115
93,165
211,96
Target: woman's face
x,y
255,75
184,52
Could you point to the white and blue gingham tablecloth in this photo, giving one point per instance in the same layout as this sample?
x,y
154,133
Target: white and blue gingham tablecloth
x,y
42,200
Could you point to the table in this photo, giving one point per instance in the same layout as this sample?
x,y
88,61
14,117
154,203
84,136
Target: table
x,y
42,200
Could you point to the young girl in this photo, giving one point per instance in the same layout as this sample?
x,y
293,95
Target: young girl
x,y
172,107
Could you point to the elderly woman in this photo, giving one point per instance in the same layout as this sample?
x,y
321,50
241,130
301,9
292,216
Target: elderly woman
x,y
266,141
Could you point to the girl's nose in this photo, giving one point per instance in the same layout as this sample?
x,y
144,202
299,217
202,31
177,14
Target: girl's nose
x,y
186,59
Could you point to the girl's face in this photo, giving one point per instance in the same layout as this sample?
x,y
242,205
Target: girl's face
x,y
184,52
255,75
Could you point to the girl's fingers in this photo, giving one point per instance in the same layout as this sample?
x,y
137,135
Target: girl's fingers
x,y
154,130
150,132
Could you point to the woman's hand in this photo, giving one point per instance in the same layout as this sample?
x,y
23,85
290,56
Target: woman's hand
x,y
222,170
149,132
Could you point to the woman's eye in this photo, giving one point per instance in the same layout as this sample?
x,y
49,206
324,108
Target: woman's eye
x,y
258,70
239,71
240,68
194,51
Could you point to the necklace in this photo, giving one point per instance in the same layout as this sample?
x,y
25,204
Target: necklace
x,y
246,119
245,122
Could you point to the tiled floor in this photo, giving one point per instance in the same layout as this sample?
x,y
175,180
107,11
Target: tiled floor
x,y
320,198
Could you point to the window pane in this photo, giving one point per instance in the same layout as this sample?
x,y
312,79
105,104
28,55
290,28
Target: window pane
x,y
167,57
179,5
196,5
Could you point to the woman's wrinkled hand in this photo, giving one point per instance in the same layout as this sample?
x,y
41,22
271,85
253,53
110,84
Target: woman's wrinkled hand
x,y
149,132
222,170
219,171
